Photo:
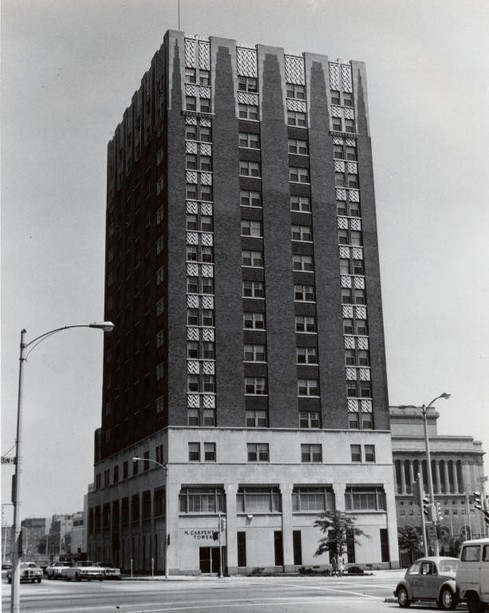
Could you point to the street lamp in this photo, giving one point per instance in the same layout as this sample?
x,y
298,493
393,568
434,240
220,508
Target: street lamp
x,y
424,412
106,326
165,468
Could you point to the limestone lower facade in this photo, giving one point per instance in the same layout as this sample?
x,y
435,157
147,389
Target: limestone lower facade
x,y
246,497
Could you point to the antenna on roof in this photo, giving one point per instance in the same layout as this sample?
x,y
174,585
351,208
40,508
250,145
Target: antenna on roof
x,y
178,5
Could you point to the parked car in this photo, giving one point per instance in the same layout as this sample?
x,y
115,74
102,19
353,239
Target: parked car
x,y
29,571
473,574
111,572
56,569
84,569
429,579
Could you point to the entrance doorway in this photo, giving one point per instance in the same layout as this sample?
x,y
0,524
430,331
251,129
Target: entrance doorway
x,y
209,562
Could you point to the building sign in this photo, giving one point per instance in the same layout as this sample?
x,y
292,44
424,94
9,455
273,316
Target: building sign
x,y
200,535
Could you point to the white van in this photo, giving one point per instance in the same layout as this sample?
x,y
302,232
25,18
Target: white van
x,y
473,574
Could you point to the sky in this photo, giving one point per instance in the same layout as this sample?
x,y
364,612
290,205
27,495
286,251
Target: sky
x,y
69,69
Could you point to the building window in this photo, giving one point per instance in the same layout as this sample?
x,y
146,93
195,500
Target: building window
x,y
356,453
208,384
190,75
304,293
247,84
160,404
258,452
300,203
256,419
296,91
364,498
250,198
350,125
247,111
160,338
295,118
205,105
159,453
254,321
306,355
305,324
312,499
193,383
159,502
160,371
369,453
258,500
190,161
252,258
115,477
191,103
303,262
193,418
298,147
194,452
249,169
308,387
311,453
302,233
299,175
205,162
251,228
309,419
193,350
204,77
254,353
249,140
256,386
253,289
202,500
209,452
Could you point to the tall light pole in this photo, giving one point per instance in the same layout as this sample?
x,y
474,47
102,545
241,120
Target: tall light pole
x,y
167,533
106,326
424,412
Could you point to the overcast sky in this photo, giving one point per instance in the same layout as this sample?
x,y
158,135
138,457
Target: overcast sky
x,y
70,68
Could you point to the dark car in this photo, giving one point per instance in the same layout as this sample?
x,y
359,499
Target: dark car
x,y
429,579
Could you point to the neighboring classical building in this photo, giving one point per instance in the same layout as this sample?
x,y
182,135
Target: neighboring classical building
x,y
457,468
242,275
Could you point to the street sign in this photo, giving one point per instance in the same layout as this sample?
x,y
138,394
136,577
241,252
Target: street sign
x,y
8,460
432,531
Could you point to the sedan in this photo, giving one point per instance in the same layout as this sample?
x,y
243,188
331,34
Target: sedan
x,y
55,570
111,572
429,579
28,571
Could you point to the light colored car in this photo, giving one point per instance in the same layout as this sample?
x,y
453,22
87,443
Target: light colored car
x,y
84,570
429,579
473,574
56,569
111,572
29,571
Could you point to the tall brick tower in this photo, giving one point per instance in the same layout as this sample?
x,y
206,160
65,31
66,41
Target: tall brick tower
x,y
247,366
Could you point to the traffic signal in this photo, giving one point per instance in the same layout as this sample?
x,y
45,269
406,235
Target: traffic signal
x,y
426,506
215,536
477,500
439,513
222,524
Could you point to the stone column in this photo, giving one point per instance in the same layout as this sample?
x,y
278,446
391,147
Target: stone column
x,y
287,526
438,480
231,490
411,475
172,504
403,478
447,480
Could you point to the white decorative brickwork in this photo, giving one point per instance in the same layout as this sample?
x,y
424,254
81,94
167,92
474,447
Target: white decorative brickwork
x,y
190,146
364,374
337,140
349,342
204,55
246,98
207,239
352,168
190,53
208,368
206,208
336,111
339,166
193,401
345,281
294,70
352,405
209,401
346,77
347,311
359,282
191,176
363,342
191,121
205,92
361,312
355,224
206,178
341,194
299,106
207,270
343,223
366,406
246,61
349,113
351,374
207,302
192,367
206,123
351,142
192,207
353,195
191,90
334,75
344,252
192,238
205,149
192,334
192,301
208,334
192,270
357,253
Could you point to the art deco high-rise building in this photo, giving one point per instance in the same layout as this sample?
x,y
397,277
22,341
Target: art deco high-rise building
x,y
242,274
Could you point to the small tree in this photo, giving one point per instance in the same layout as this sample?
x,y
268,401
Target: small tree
x,y
410,541
338,528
